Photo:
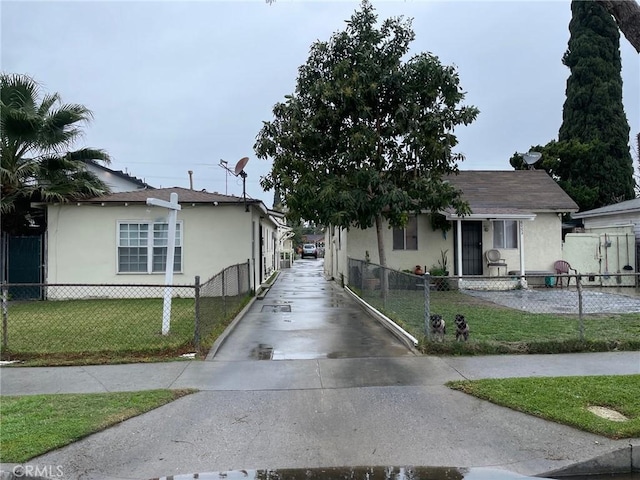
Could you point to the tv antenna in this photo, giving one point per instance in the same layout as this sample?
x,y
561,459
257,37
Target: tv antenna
x,y
238,171
223,164
530,158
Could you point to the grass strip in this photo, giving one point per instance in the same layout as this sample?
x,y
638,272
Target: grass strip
x,y
35,424
565,400
102,331
496,329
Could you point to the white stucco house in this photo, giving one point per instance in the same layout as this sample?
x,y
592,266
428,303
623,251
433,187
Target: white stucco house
x,y
518,213
26,253
118,238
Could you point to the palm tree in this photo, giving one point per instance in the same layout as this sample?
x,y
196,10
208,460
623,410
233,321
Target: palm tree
x,y
38,164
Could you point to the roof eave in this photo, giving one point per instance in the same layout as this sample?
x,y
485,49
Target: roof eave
x,y
605,214
490,216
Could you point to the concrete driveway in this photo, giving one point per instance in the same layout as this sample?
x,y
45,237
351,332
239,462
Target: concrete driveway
x,y
305,317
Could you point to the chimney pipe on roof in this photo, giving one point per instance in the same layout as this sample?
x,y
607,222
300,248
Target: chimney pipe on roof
x,y
191,179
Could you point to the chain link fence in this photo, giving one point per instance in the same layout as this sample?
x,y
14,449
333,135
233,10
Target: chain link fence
x,y
220,299
75,321
517,311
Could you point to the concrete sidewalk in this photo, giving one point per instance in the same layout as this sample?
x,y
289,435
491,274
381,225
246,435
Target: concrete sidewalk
x,y
307,374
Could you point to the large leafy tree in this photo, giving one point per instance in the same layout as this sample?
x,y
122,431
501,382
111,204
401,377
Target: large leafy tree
x,y
593,113
366,136
38,163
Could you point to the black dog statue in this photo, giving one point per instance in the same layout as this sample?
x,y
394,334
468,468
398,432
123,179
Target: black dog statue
x,y
438,327
462,328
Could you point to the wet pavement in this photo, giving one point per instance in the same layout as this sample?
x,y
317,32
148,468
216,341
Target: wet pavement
x,y
553,300
320,386
305,317
359,473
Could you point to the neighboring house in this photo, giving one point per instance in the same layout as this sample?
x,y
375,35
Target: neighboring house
x,y
117,180
519,213
25,254
623,213
118,238
607,243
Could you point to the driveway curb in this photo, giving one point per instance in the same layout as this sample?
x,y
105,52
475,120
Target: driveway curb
x,y
405,337
624,460
227,331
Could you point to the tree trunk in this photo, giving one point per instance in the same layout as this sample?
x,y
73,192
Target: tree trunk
x,y
382,256
627,16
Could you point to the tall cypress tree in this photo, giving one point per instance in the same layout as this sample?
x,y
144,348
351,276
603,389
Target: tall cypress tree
x,y
593,114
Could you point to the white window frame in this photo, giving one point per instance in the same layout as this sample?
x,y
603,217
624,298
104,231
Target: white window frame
x,y
403,231
150,244
500,237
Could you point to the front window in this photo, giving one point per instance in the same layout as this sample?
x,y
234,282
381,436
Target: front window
x,y
505,234
406,238
142,247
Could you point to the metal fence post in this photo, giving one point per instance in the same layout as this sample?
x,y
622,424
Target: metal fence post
x,y
224,296
249,275
580,314
196,333
427,306
384,285
5,314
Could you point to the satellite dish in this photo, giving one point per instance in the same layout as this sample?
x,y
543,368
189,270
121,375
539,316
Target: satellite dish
x,y
531,158
240,165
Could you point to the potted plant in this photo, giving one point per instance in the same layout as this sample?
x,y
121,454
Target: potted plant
x,y
443,263
441,271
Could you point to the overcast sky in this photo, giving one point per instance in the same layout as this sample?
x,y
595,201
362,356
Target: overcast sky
x,y
177,86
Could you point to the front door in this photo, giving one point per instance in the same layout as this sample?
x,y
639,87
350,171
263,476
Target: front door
x,y
471,248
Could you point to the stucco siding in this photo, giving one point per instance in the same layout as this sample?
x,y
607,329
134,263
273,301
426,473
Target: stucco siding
x,y
430,243
82,242
542,246
542,243
598,263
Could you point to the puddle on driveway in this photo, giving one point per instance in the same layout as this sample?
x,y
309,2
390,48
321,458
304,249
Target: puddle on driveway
x,y
358,473
262,352
275,308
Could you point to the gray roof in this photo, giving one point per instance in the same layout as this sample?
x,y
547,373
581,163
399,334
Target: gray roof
x,y
185,195
627,206
512,191
121,174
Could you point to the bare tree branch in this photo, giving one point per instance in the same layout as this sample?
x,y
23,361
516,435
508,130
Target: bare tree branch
x,y
627,16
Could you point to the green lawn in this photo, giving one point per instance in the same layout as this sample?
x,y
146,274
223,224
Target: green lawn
x,y
111,330
33,425
565,400
497,329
